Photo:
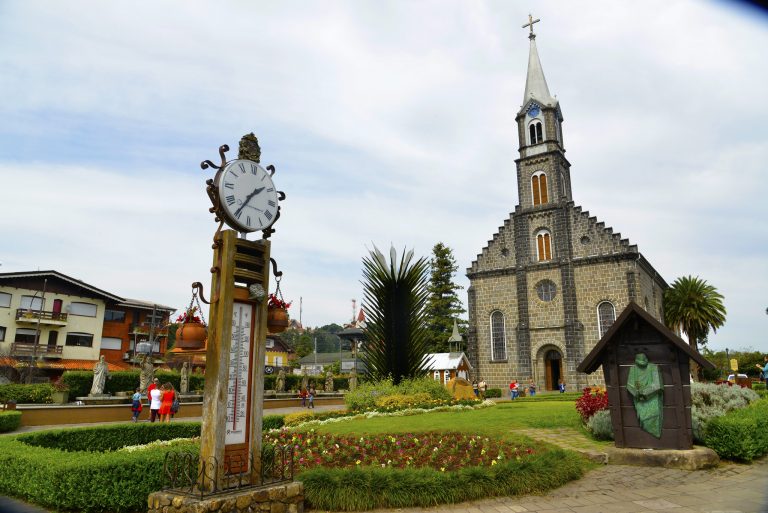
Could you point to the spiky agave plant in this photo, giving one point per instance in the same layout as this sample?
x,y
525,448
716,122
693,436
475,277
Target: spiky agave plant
x,y
395,298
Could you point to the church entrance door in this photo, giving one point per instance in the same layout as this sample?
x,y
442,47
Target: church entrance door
x,y
553,363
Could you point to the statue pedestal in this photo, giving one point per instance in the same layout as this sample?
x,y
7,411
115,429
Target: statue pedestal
x,y
282,498
689,459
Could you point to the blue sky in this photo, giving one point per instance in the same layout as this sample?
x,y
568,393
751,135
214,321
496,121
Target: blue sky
x,y
389,123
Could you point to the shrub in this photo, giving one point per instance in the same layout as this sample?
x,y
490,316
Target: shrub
x,y
709,401
402,401
590,403
493,392
600,426
758,386
272,421
27,394
741,434
9,421
435,389
293,419
365,397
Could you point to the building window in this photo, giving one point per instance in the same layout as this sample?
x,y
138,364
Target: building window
x,y
2,333
114,315
270,343
278,361
546,290
606,314
79,339
539,186
498,341
83,309
436,375
543,246
31,303
446,376
5,300
25,336
157,318
535,132
115,344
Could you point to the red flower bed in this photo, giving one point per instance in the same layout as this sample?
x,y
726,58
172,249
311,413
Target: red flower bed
x,y
590,403
440,451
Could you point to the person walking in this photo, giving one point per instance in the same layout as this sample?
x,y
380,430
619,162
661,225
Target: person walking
x,y
312,393
303,397
167,402
136,405
515,389
155,401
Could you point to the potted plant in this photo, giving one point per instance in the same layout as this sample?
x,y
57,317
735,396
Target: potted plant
x,y
277,314
60,394
192,332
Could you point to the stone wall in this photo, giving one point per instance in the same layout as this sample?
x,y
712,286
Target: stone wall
x,y
283,498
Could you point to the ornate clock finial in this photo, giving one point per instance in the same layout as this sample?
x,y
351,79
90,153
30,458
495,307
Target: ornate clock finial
x,y
249,148
530,23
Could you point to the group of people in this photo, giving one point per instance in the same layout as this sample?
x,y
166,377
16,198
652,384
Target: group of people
x,y
163,402
479,388
307,396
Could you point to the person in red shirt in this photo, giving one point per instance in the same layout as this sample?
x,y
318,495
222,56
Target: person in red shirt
x,y
155,384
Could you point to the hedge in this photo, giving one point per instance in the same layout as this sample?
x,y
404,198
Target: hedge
x,y
80,382
9,421
372,487
740,435
493,392
26,394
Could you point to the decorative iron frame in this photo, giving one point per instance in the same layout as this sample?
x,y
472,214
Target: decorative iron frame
x,y
185,473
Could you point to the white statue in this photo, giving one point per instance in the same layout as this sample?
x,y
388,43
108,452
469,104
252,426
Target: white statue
x,y
184,388
100,375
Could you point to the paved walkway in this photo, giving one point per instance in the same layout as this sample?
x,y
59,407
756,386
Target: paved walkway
x,y
568,438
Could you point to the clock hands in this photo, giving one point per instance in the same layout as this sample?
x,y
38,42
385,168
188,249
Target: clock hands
x,y
247,199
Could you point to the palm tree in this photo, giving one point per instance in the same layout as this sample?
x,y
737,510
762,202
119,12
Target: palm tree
x,y
694,307
395,300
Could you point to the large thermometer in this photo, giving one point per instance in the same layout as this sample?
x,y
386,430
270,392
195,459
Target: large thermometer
x,y
239,386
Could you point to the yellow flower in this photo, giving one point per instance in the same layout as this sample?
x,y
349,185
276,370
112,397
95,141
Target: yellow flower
x,y
493,462
358,462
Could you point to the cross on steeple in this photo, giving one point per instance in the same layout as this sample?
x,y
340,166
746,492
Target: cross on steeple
x,y
530,23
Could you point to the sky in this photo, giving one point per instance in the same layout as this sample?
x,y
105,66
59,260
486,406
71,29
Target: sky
x,y
389,123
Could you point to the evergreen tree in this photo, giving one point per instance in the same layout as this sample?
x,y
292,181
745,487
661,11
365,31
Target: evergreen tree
x,y
443,305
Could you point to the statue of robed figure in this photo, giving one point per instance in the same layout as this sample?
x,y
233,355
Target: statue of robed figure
x,y
647,390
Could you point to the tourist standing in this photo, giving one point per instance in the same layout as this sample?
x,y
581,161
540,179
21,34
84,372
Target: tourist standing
x,y
155,401
167,402
152,386
303,397
532,388
475,388
312,393
763,370
515,389
483,387
136,404
561,386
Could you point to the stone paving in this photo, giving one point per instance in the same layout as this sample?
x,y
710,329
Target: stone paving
x,y
569,438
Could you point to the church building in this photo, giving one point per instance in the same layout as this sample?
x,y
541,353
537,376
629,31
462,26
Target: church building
x,y
553,278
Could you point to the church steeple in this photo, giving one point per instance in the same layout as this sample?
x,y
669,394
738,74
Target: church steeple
x,y
535,83
543,172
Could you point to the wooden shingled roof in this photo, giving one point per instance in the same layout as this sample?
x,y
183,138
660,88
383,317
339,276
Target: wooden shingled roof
x,y
632,313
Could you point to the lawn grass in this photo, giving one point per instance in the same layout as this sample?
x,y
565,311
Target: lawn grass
x,y
499,421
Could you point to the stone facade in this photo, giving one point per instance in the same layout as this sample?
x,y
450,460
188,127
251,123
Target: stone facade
x,y
283,498
587,264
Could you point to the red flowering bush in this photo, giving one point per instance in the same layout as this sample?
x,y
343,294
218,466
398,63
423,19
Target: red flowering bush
x,y
590,403
190,315
276,302
440,451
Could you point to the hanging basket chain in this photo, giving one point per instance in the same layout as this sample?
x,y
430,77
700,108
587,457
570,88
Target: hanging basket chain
x,y
278,293
199,308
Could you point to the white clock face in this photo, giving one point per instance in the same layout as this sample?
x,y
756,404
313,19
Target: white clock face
x,y
247,196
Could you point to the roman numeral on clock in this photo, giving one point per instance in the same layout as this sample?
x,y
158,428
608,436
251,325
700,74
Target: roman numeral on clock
x,y
230,200
242,167
248,220
229,185
271,203
253,169
268,215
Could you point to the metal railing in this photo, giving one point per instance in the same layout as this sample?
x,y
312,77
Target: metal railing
x,y
186,473
33,315
28,349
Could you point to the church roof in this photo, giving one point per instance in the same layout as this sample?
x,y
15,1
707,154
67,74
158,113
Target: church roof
x,y
535,84
446,361
455,337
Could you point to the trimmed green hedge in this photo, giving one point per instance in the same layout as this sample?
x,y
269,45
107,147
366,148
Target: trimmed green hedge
x,y
373,487
24,394
740,435
9,421
493,392
80,382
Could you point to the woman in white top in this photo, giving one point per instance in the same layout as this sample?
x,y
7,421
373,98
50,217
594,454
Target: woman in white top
x,y
155,400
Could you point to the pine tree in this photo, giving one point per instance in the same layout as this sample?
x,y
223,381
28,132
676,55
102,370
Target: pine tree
x,y
444,304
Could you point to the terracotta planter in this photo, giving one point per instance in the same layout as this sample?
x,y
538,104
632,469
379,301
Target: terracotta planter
x,y
191,335
277,320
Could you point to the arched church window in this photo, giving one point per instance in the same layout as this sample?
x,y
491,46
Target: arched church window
x,y
539,186
606,314
543,246
535,132
498,340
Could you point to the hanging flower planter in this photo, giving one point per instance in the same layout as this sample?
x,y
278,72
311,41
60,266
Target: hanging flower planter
x,y
193,331
277,312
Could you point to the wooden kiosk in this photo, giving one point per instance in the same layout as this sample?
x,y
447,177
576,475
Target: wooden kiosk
x,y
637,332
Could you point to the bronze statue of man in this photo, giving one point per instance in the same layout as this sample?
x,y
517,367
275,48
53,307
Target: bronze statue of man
x,y
645,386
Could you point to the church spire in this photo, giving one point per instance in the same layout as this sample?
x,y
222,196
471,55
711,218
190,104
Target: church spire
x,y
535,83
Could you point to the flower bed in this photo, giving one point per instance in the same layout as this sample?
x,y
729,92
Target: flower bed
x,y
439,451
